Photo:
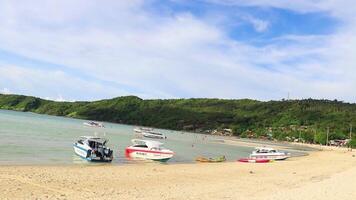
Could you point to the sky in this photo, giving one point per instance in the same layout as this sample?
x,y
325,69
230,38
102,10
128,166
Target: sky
x,y
70,50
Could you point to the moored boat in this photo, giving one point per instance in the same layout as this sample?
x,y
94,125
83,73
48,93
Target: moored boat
x,y
94,124
149,133
154,135
142,129
149,150
268,153
93,149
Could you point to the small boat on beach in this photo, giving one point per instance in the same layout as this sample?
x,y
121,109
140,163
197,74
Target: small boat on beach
x,y
268,153
253,160
93,148
211,160
149,133
94,124
148,150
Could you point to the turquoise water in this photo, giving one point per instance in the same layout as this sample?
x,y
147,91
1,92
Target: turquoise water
x,y
28,138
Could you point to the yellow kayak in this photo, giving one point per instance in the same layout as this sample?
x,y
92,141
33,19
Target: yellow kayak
x,y
211,160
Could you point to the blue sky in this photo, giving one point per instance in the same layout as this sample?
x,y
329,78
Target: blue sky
x,y
80,50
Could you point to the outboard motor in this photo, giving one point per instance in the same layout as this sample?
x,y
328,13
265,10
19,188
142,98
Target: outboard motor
x,y
101,152
108,152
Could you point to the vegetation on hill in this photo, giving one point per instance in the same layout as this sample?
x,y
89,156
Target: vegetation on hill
x,y
307,119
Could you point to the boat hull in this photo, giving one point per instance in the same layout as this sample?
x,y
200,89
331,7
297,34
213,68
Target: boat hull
x,y
270,157
93,125
86,154
251,160
81,152
152,136
135,153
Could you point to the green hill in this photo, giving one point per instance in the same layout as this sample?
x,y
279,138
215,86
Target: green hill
x,y
283,120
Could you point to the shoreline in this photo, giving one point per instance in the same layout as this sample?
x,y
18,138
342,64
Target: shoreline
x,y
231,141
320,173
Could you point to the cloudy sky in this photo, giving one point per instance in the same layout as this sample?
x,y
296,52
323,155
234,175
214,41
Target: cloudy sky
x,y
260,49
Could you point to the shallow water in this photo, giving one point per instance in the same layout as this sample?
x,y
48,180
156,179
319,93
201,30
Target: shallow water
x,y
29,138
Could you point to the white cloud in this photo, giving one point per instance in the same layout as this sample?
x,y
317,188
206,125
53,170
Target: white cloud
x,y
123,46
60,98
5,91
299,6
54,84
258,24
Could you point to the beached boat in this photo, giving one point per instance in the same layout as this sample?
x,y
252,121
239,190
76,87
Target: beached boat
x,y
149,133
254,160
94,124
149,150
211,160
93,149
268,153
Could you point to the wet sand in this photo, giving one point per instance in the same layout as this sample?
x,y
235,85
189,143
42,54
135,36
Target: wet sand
x,y
327,174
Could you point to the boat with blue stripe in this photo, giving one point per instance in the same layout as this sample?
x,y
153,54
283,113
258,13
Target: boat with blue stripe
x,y
93,149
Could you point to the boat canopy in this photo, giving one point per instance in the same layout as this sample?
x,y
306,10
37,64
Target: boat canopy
x,y
94,139
265,149
149,143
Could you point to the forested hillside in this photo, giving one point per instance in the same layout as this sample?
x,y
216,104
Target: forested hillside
x,y
283,120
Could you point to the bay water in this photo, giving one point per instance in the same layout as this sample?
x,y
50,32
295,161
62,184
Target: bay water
x,y
29,138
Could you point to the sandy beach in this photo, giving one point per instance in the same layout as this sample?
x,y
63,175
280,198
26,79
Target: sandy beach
x,y
327,174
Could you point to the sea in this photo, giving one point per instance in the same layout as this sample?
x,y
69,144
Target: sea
x,y
34,139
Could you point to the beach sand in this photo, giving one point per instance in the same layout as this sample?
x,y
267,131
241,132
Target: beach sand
x,y
327,174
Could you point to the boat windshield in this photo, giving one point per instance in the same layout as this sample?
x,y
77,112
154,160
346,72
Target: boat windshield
x,y
94,144
147,144
266,151
156,148
141,145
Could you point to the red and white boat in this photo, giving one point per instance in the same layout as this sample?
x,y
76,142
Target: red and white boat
x,y
254,160
148,150
268,153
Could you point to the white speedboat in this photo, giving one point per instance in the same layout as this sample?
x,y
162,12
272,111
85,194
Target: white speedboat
x,y
149,150
142,129
149,133
268,153
93,149
154,135
94,124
